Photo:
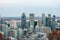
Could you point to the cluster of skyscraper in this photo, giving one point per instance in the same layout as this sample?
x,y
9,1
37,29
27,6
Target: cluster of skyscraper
x,y
49,21
32,29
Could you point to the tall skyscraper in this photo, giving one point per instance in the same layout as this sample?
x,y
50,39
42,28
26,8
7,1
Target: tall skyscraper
x,y
32,19
43,20
23,21
54,24
49,20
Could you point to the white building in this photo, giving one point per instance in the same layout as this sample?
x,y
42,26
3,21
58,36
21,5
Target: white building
x,y
13,24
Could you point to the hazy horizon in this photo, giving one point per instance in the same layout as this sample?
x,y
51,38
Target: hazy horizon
x,y
15,8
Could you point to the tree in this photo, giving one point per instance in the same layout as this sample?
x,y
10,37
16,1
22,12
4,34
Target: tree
x,y
1,36
55,35
50,36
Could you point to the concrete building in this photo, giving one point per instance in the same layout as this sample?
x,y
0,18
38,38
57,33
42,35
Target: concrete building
x,y
37,28
5,29
45,29
39,23
12,33
13,24
20,32
32,19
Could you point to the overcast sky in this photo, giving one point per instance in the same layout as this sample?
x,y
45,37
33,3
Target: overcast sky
x,y
13,8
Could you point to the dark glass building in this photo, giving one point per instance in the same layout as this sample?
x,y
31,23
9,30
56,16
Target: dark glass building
x,y
23,21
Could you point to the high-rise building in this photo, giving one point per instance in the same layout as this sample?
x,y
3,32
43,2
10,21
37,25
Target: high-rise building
x,y
0,27
20,33
48,21
39,23
54,23
31,28
23,21
58,21
12,30
43,20
5,30
32,19
12,33
49,15
1,23
37,29
13,24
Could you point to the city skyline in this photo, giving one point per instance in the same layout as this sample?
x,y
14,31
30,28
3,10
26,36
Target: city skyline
x,y
41,29
15,8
